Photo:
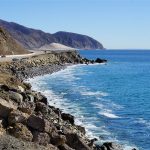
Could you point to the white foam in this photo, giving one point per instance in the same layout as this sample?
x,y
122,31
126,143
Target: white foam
x,y
90,93
108,113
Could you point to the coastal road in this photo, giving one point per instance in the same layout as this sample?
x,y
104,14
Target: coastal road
x,y
9,58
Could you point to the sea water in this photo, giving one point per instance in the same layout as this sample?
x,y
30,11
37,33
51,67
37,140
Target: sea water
x,y
112,100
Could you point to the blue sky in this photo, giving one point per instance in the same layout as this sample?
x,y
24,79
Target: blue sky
x,y
115,23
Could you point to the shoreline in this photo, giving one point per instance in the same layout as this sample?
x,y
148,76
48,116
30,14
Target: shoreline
x,y
88,133
40,66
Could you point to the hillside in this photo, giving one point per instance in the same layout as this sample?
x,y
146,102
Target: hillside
x,y
8,45
56,46
32,39
77,40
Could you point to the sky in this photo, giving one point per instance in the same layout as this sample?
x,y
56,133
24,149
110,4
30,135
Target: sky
x,y
117,24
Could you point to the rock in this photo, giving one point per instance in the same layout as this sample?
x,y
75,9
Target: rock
x,y
16,116
91,143
4,87
40,124
41,98
52,147
2,131
31,98
65,147
41,138
58,140
75,142
27,107
21,88
68,117
81,129
20,131
110,146
98,60
6,107
42,108
18,98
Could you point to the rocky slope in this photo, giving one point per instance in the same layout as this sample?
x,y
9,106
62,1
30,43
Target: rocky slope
x,y
31,38
8,45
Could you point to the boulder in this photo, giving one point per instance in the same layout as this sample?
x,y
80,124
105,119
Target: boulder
x,y
6,107
41,98
65,147
75,142
27,107
81,129
41,138
31,98
18,98
39,124
98,60
58,140
42,108
110,146
20,131
4,87
21,88
68,117
16,116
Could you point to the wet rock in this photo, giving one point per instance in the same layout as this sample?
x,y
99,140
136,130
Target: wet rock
x,y
27,107
18,98
20,131
6,107
91,142
41,138
16,116
75,142
110,146
98,60
68,117
40,124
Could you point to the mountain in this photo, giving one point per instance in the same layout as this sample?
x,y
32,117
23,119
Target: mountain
x,y
29,38
33,39
77,40
8,45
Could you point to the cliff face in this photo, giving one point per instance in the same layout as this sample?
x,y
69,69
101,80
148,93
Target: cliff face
x,y
8,45
31,38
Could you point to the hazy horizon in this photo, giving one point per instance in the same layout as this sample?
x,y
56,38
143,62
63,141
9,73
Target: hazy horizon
x,y
116,24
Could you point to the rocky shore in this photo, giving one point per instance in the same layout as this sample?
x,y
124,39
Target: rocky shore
x,y
27,121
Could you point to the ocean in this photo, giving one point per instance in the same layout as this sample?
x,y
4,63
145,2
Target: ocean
x,y
112,100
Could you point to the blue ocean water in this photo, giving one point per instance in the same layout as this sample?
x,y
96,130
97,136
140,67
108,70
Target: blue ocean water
x,y
111,100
